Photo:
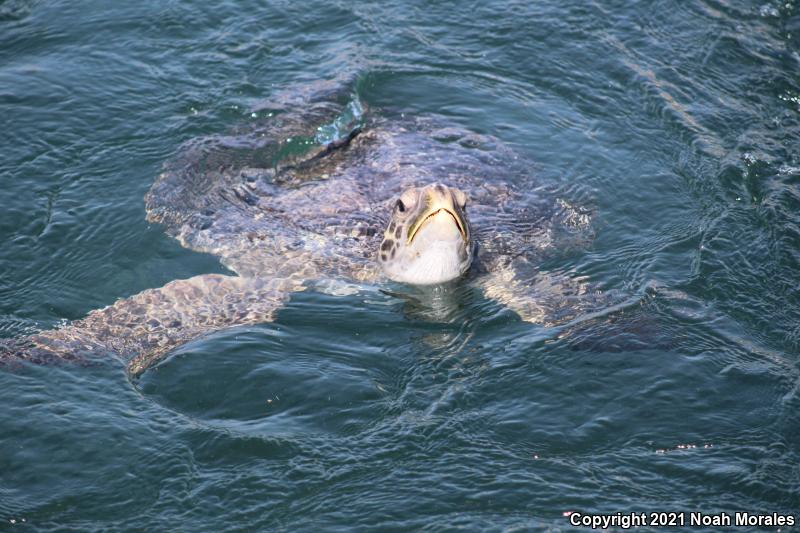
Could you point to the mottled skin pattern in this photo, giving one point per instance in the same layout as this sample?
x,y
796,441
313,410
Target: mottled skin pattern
x,y
284,212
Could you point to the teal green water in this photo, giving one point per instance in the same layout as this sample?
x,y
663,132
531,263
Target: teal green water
x,y
677,121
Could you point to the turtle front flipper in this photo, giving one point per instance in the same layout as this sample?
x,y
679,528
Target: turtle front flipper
x,y
144,328
539,297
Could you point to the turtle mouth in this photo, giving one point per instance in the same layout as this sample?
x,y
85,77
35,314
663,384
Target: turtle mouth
x,y
456,220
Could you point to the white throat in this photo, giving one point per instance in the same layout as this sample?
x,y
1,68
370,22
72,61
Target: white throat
x,y
437,263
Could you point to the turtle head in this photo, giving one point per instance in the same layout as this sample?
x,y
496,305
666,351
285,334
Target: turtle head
x,y
428,238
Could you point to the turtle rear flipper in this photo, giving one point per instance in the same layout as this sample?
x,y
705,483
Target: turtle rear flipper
x,y
144,328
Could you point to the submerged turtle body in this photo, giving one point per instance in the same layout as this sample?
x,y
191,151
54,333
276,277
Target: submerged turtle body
x,y
328,213
308,194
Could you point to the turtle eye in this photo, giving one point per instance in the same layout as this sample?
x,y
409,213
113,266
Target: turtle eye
x,y
400,206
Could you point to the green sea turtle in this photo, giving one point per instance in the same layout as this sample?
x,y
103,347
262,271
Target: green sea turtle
x,y
317,193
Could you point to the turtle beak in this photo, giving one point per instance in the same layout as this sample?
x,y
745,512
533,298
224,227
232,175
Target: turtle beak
x,y
438,205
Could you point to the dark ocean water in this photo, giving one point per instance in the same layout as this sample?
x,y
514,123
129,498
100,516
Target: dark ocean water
x,y
679,121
